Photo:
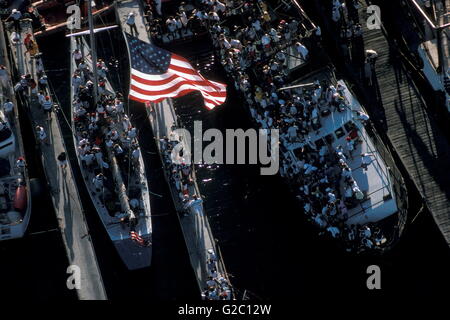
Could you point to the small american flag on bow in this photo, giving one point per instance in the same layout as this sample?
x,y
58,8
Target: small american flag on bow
x,y
137,238
157,74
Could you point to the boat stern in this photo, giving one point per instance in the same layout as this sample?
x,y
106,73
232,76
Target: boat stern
x,y
134,255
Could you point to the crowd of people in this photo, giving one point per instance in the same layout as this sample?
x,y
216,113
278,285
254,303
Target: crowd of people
x,y
217,286
31,13
253,46
180,176
181,25
103,127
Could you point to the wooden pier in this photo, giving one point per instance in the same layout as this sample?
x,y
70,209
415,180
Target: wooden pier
x,y
397,107
163,119
64,192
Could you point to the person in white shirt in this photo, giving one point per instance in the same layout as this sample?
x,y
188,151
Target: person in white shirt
x,y
265,40
256,24
350,147
15,17
236,44
136,154
366,159
171,24
21,164
8,109
347,173
334,231
76,83
132,133
336,15
98,182
132,23
15,38
109,143
77,56
213,16
42,136
119,106
47,104
302,51
363,117
158,7
88,159
219,6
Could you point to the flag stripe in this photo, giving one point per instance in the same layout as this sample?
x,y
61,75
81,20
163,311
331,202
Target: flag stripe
x,y
172,86
153,96
164,84
144,99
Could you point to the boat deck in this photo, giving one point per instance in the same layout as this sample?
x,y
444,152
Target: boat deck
x,y
64,192
196,229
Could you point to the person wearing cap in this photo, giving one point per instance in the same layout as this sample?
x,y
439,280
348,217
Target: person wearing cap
x,y
21,164
212,255
302,51
77,56
8,109
97,181
15,17
136,154
366,159
132,23
363,117
76,82
42,83
42,136
47,104
350,146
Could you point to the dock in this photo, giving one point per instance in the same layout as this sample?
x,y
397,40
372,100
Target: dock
x,y
64,192
402,116
163,119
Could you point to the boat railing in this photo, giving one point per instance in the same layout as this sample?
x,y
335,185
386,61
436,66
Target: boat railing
x,y
392,170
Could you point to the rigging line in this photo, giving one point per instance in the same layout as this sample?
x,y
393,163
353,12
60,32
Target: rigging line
x,y
113,51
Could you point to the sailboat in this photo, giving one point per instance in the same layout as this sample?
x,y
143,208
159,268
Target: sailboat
x,y
15,193
109,156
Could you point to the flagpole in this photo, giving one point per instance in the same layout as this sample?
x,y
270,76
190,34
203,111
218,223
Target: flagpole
x,y
93,50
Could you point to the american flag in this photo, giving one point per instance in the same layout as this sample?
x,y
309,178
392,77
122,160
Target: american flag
x,y
157,74
137,238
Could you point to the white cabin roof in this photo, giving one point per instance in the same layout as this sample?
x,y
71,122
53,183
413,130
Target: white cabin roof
x,y
375,182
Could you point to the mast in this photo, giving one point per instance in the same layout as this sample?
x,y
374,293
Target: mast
x,y
93,49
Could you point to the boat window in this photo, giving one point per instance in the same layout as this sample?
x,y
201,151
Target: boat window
x,y
329,138
349,126
319,143
5,134
339,132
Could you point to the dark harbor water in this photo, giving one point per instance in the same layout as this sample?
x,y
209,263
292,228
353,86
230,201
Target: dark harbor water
x,y
268,247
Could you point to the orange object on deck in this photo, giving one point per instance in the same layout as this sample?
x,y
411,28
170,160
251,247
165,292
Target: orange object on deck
x,y
20,199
